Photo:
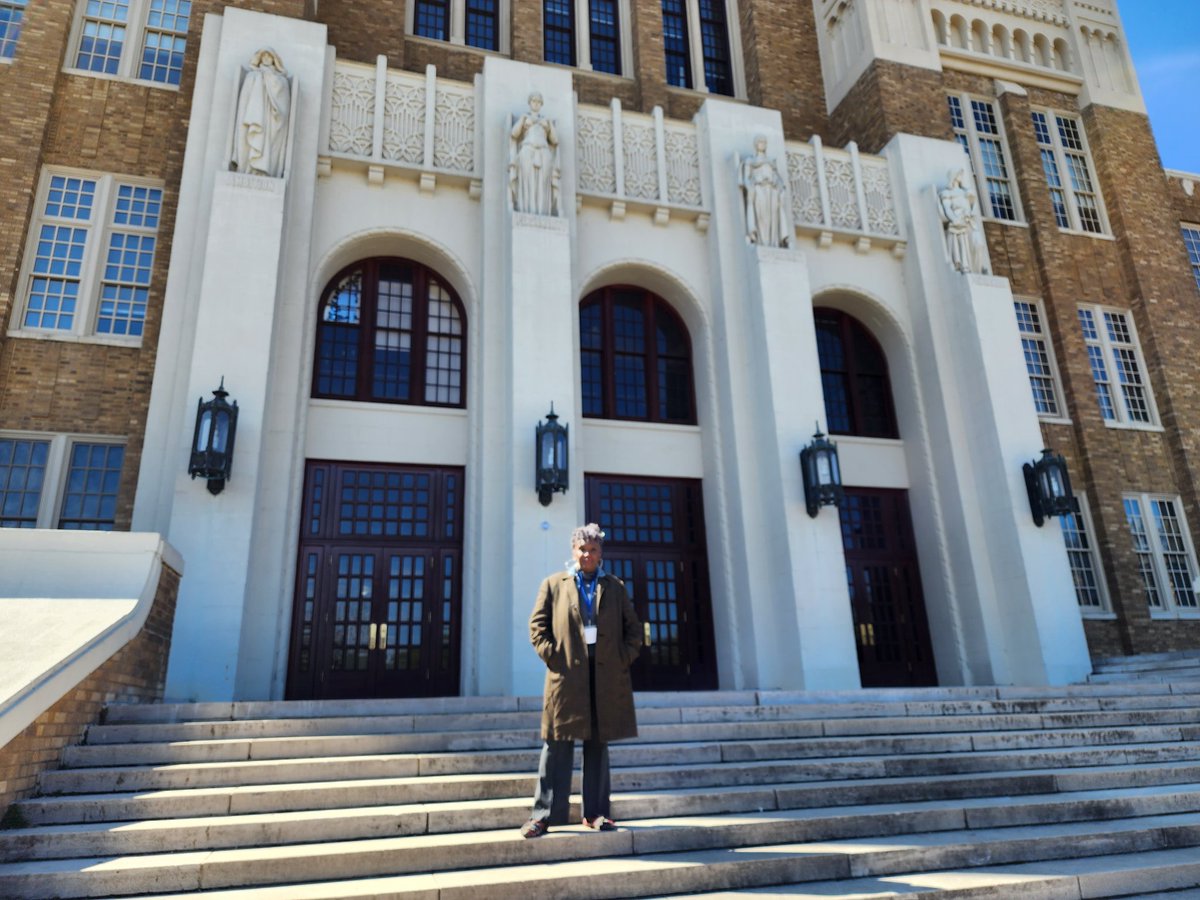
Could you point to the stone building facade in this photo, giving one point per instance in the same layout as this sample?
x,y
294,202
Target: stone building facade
x,y
393,330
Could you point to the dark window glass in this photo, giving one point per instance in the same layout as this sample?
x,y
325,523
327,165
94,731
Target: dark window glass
x,y
854,376
604,36
675,43
431,19
390,331
22,476
635,358
559,24
90,498
482,24
714,44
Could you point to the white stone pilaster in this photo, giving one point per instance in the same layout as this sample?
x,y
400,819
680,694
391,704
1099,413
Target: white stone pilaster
x,y
235,307
1005,605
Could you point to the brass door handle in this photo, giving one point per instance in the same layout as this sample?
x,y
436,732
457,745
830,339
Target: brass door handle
x,y
371,640
646,632
383,636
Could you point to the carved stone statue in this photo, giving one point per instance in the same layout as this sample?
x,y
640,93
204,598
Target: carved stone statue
x,y
959,209
768,216
533,162
263,110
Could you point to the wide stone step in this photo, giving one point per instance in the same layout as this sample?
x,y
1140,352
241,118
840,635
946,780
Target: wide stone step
x,y
637,861
844,719
758,740
967,802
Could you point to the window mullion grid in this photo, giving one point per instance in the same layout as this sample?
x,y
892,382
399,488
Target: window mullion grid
x,y
696,46
608,356
1064,171
1083,559
368,301
169,41
1039,357
1129,378
654,410
1173,553
418,352
1143,549
91,269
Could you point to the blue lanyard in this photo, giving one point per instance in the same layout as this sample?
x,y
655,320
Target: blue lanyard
x,y
589,597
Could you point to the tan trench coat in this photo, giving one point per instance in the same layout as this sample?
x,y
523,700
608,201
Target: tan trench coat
x,y
556,632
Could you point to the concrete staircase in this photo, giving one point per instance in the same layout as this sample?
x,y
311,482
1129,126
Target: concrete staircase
x,y
1180,666
1086,791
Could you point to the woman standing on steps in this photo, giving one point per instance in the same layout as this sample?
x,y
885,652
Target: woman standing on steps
x,y
585,630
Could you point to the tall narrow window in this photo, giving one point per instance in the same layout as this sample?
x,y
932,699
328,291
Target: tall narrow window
x,y
854,377
1114,354
22,479
697,44
714,42
982,136
635,358
1066,163
676,44
90,496
1163,546
12,12
1084,562
1191,240
559,31
604,36
1039,358
390,331
432,19
482,24
139,39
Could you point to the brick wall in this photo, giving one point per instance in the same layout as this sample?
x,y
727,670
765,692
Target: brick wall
x,y
134,674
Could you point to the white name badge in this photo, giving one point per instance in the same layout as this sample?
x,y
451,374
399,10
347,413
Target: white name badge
x,y
589,633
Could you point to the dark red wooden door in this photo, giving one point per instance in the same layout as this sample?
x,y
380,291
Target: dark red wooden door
x,y
378,596
890,627
654,542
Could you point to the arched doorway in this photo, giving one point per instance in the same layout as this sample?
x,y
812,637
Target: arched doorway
x,y
891,630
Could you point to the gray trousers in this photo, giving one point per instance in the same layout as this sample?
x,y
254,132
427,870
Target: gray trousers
x,y
552,799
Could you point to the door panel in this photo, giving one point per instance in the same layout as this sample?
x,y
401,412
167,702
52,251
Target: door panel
x,y
377,594
890,626
655,543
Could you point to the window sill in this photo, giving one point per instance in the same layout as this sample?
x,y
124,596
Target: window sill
x,y
636,423
458,45
1134,426
1175,615
382,406
28,334
1101,236
1053,420
619,78
688,92
1015,223
128,79
1098,615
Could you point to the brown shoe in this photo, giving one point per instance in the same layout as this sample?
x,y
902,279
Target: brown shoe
x,y
601,823
534,828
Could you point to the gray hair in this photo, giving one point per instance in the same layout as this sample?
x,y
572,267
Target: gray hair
x,y
589,533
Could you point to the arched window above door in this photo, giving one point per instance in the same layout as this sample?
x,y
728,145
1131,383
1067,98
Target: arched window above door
x,y
854,377
389,330
635,358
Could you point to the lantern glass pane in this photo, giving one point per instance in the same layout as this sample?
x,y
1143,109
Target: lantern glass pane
x,y
220,431
203,431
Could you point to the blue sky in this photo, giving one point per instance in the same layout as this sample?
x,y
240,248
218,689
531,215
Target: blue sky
x,y
1164,38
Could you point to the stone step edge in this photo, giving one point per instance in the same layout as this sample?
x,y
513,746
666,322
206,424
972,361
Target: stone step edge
x,y
260,729
617,853
1108,799
207,711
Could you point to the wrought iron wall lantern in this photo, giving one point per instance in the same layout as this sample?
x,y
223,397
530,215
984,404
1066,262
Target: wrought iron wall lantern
x,y
1049,486
212,441
551,471
822,473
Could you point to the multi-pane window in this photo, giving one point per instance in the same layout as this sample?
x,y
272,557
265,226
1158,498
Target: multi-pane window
x,y
1117,369
390,331
1191,240
11,14
635,358
854,377
1084,561
475,23
698,44
1163,546
1039,358
1067,165
597,47
143,39
979,130
59,481
90,257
